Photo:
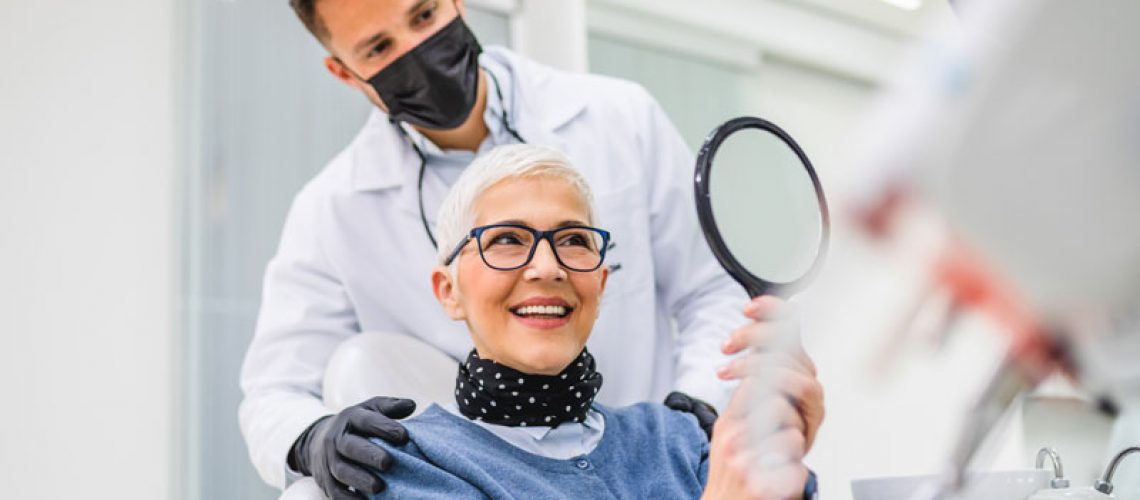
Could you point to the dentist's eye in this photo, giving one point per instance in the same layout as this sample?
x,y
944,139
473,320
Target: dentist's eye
x,y
425,16
380,48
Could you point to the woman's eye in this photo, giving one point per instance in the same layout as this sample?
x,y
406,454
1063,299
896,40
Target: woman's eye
x,y
575,240
506,239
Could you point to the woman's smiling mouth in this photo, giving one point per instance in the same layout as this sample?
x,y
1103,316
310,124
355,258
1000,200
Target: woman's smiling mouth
x,y
542,312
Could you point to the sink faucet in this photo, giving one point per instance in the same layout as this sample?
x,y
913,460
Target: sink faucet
x,y
1058,480
1104,484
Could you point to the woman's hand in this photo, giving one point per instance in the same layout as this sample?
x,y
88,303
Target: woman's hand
x,y
743,464
759,441
777,358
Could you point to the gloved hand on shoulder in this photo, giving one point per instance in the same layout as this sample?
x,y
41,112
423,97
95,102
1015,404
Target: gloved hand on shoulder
x,y
336,452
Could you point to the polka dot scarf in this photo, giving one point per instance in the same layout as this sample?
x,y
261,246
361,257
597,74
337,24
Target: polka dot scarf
x,y
496,394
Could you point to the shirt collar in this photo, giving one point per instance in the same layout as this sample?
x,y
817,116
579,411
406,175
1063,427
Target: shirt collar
x,y
492,117
541,432
594,421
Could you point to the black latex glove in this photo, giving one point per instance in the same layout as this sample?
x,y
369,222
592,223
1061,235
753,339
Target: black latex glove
x,y
336,452
705,413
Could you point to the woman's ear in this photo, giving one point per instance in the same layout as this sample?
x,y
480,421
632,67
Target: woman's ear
x,y
447,293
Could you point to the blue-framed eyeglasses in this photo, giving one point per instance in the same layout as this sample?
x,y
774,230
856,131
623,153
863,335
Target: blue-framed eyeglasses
x,y
506,247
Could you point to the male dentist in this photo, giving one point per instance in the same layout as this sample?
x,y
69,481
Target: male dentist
x,y
356,251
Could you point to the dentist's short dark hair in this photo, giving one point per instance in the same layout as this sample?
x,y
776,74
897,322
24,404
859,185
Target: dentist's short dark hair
x,y
306,11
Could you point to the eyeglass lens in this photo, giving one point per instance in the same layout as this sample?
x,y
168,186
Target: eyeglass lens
x,y
508,247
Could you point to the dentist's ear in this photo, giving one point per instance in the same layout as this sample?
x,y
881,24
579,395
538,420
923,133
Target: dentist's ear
x,y
447,293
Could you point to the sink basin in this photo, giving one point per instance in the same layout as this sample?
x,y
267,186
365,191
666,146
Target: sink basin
x,y
997,485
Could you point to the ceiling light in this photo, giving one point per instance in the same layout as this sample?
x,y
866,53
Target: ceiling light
x,y
905,4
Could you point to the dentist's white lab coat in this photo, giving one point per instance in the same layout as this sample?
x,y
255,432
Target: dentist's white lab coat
x,y
354,257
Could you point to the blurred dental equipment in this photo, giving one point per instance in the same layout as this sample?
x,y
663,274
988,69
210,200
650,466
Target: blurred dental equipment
x,y
1005,159
1039,483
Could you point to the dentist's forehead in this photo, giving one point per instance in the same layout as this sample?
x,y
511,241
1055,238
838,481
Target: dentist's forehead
x,y
351,23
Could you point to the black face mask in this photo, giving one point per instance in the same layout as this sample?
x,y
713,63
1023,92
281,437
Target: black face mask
x,y
435,84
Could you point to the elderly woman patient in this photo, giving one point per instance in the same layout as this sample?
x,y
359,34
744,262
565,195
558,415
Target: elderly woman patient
x,y
522,263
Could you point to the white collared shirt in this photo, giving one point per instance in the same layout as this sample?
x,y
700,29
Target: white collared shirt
x,y
568,440
447,164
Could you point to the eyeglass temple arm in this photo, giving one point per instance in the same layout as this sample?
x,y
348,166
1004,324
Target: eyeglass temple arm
x,y
458,247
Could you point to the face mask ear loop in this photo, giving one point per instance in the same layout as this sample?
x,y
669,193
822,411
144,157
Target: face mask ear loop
x,y
506,119
350,70
419,182
423,163
423,157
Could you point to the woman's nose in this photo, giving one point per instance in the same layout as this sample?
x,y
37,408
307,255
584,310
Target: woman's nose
x,y
544,264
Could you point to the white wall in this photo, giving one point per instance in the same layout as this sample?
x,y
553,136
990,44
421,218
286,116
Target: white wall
x,y
86,166
551,32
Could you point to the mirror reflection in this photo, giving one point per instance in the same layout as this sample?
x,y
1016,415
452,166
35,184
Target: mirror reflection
x,y
765,205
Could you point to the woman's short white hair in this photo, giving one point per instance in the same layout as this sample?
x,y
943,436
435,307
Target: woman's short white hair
x,y
457,213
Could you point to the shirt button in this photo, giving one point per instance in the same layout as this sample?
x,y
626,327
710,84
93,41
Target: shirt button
x,y
583,464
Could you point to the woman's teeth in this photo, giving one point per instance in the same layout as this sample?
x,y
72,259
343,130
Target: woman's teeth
x,y
558,311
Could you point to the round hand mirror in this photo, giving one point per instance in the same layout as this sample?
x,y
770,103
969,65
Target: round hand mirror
x,y
761,208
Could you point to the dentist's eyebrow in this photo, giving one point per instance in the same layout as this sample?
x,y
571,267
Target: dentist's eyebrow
x,y
415,9
369,42
376,38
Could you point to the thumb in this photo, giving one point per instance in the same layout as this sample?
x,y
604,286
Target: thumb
x,y
394,408
679,401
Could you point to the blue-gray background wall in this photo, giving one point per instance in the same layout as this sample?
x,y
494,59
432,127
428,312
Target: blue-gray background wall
x,y
266,116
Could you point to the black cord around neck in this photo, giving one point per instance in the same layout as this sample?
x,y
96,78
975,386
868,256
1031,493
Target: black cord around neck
x,y
503,106
423,157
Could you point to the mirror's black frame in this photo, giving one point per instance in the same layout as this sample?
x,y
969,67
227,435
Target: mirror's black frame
x,y
755,285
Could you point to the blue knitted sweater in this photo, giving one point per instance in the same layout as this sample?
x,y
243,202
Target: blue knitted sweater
x,y
646,451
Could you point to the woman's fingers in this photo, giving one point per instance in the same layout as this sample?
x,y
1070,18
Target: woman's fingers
x,y
780,392
787,444
764,408
768,307
785,482
763,335
778,472
755,362
775,414
775,327
768,468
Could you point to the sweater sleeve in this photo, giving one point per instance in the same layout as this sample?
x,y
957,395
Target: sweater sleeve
x,y
703,468
413,475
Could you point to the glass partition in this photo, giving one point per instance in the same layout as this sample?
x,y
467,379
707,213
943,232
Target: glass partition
x,y
265,117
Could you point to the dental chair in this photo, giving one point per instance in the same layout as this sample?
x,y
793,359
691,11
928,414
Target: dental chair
x,y
365,366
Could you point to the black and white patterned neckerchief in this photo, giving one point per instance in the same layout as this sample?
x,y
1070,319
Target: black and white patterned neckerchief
x,y
497,394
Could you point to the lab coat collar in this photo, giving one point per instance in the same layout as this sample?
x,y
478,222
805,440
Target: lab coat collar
x,y
540,105
541,102
378,154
